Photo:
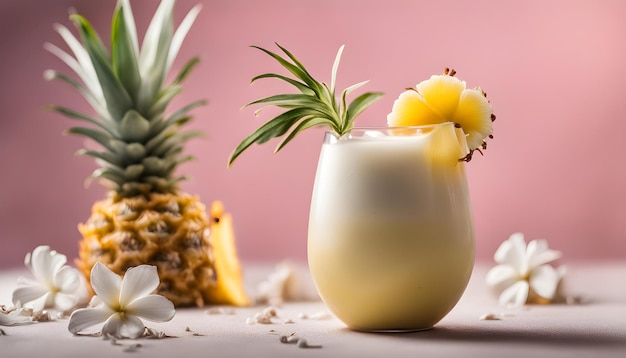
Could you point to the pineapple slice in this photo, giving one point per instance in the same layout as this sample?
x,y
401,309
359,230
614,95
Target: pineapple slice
x,y
229,284
445,98
447,145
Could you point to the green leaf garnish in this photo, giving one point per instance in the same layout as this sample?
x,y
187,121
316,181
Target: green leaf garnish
x,y
315,105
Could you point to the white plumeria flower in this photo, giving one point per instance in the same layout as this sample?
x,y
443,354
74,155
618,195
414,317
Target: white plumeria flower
x,y
523,274
56,285
120,303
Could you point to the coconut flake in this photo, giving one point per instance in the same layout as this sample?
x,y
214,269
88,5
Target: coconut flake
x,y
490,317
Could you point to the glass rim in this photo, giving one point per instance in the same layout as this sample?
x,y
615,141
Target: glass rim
x,y
401,127
394,128
363,133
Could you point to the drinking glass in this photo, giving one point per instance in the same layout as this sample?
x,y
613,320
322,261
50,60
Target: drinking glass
x,y
391,238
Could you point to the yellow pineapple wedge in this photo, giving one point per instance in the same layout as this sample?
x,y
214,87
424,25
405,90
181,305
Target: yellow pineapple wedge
x,y
145,218
229,285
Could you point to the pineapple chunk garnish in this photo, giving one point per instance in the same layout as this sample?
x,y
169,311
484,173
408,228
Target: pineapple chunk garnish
x,y
445,98
447,145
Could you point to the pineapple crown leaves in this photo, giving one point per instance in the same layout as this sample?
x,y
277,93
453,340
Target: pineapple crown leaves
x,y
126,88
315,105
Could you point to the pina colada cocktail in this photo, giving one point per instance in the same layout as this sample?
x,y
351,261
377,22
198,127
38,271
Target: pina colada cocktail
x,y
391,241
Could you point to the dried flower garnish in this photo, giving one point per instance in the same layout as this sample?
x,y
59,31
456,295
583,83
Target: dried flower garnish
x,y
298,341
289,339
490,317
303,343
220,310
14,316
55,284
322,315
194,333
523,274
263,317
121,302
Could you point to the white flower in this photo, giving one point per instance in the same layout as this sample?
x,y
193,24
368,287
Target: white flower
x,y
284,284
121,302
523,274
56,285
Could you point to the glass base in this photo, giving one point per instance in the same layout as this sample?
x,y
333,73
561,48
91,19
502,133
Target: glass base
x,y
409,330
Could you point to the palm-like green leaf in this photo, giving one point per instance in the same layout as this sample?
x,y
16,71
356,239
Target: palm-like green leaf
x,y
333,78
316,105
295,69
304,124
359,105
299,85
272,129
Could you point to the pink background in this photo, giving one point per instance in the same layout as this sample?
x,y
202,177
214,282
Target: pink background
x,y
554,70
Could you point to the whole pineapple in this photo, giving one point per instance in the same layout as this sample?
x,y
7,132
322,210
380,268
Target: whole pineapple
x,y
144,219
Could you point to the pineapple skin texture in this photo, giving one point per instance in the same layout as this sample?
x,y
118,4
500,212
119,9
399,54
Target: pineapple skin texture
x,y
169,231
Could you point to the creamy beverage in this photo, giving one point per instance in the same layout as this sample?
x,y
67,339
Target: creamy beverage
x,y
391,239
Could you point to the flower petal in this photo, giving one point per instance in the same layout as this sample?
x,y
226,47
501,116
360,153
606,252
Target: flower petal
x,y
538,253
67,279
26,281
106,285
123,326
152,307
501,275
65,301
544,281
411,110
25,294
42,302
138,282
87,317
474,115
442,93
515,295
44,264
513,252
14,318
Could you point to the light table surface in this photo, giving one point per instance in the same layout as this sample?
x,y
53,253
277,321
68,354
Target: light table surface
x,y
596,328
